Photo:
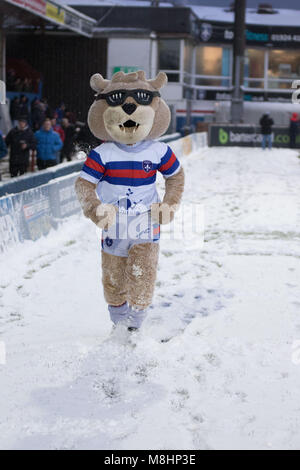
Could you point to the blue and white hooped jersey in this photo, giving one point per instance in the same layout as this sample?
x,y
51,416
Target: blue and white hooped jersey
x,y
125,174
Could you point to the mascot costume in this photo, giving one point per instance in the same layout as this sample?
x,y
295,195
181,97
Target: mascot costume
x,y
116,188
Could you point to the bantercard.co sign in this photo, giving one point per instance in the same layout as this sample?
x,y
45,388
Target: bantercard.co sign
x,y
247,136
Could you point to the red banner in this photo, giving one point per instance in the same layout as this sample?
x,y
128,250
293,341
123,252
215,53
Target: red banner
x,y
37,6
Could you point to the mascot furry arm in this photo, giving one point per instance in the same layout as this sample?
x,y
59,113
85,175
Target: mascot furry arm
x,y
103,215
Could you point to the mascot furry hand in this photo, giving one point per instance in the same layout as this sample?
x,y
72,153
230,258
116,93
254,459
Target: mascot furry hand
x,y
116,187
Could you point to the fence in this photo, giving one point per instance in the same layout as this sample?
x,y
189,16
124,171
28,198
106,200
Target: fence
x,y
32,213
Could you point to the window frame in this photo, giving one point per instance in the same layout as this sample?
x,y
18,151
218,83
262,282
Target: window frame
x,y
216,77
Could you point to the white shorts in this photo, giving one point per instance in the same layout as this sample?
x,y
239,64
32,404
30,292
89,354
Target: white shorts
x,y
129,230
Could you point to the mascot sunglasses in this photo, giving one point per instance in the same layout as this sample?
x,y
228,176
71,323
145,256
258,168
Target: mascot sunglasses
x,y
118,97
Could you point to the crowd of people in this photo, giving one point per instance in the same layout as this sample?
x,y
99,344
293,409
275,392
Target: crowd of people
x,y
17,83
36,112
49,136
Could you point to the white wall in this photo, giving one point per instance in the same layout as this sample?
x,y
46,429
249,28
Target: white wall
x,y
129,52
172,92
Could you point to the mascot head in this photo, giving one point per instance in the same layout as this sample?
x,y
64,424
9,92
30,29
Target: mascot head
x,y
128,108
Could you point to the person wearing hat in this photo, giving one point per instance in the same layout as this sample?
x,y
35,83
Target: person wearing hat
x,y
266,123
20,141
294,127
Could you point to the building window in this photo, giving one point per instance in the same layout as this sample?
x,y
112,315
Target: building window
x,y
169,58
254,68
213,65
284,66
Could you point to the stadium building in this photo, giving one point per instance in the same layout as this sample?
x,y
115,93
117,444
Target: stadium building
x,y
193,44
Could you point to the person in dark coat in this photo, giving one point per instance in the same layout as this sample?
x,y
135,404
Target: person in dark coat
x,y
14,110
20,140
266,123
24,107
294,128
69,142
37,114
86,140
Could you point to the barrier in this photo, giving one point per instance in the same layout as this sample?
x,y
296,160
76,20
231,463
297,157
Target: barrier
x,y
32,213
188,144
23,183
247,136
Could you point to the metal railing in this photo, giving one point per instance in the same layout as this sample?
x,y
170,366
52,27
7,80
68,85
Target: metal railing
x,y
192,81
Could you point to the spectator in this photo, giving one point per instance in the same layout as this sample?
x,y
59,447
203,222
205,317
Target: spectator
x,y
70,137
14,110
86,140
27,85
20,140
18,85
57,128
266,123
71,116
3,149
37,114
48,111
24,107
48,145
294,127
11,79
60,112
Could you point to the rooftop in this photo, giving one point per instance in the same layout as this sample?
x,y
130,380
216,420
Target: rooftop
x,y
282,17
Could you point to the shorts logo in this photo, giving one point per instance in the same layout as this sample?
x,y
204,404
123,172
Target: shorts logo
x,y
108,241
147,166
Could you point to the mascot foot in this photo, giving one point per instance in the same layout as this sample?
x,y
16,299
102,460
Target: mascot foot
x,y
127,315
118,314
135,318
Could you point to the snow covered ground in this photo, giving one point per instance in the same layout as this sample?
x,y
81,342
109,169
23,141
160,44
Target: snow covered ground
x,y
227,373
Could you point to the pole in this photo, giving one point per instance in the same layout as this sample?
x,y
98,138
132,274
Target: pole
x,y
2,49
238,61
